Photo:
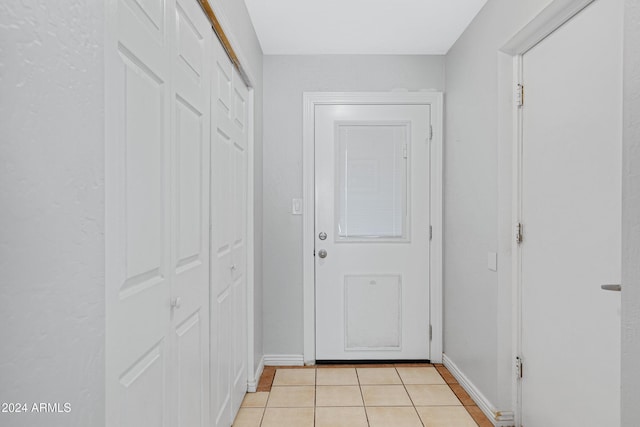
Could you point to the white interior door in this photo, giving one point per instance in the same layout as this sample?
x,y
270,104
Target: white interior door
x,y
372,231
229,139
571,212
138,217
192,61
157,254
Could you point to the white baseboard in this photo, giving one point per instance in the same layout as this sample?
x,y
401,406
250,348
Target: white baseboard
x,y
498,418
283,360
252,384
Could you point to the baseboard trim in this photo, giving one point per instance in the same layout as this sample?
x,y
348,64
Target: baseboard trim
x,y
497,417
252,384
283,360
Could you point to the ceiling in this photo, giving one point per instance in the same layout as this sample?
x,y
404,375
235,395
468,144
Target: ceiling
x,y
315,27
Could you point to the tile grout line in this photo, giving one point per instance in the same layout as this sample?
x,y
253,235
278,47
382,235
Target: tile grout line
x,y
266,404
364,406
264,410
410,398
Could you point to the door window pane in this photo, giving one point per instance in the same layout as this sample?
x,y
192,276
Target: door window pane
x,y
372,181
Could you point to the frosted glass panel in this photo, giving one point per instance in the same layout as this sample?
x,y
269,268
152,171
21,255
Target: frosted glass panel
x,y
372,181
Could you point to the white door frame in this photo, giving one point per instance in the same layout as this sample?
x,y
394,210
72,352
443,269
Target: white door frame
x,y
310,100
552,17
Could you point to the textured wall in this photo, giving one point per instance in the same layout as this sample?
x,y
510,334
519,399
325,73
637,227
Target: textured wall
x,y
285,79
52,209
631,219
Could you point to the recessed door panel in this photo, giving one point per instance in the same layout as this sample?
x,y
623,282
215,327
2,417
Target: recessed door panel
x,y
144,383
373,312
221,359
150,13
191,180
192,381
145,185
190,42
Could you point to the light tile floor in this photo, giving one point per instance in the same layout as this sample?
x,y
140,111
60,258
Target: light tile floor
x,y
416,395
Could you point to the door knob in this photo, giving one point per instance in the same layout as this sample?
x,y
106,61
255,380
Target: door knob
x,y
616,288
322,253
176,302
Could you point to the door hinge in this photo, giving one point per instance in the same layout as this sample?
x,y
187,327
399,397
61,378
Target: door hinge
x,y
519,233
430,232
519,368
430,333
404,151
430,133
519,94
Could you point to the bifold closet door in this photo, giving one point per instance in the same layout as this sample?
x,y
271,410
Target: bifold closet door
x,y
191,114
229,139
159,59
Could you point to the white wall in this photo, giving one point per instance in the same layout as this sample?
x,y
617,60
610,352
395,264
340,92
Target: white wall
x,y
631,219
245,43
285,79
52,297
477,204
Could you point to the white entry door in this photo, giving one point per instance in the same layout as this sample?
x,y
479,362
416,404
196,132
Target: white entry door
x,y
571,213
372,231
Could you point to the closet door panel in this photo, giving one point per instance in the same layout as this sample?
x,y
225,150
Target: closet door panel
x,y
191,112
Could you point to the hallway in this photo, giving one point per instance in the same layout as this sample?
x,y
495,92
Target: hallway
x,y
381,395
165,189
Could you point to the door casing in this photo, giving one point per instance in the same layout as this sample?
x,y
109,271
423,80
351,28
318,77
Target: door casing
x,y
556,14
310,100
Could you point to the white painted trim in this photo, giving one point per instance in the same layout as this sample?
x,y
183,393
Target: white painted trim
x,y
310,100
556,14
250,239
516,253
546,22
498,418
506,381
515,75
283,360
308,231
436,268
252,384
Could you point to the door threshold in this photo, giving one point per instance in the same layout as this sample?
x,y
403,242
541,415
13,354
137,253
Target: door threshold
x,y
371,362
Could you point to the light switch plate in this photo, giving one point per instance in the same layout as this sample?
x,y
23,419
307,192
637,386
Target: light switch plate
x,y
296,207
492,261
